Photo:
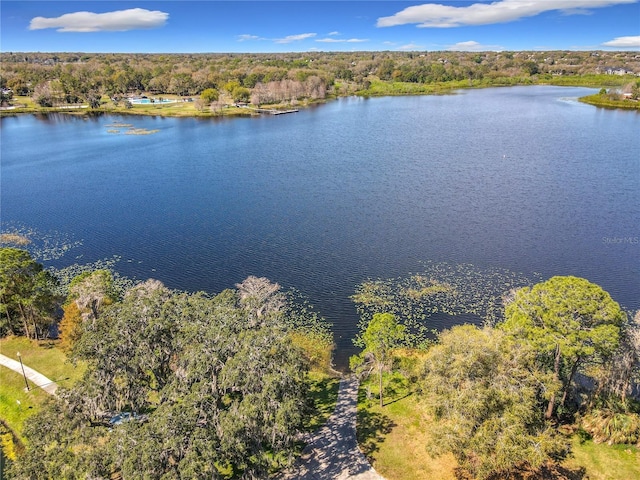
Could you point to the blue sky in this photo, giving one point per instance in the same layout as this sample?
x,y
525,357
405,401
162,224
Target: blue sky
x,y
298,26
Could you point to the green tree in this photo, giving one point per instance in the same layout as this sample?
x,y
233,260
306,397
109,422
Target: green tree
x,y
181,84
129,348
74,449
635,90
568,321
230,86
93,98
5,96
382,335
616,377
89,293
484,392
241,94
222,389
27,298
43,96
209,95
531,68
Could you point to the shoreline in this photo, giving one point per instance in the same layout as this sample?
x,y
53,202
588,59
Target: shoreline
x,y
188,110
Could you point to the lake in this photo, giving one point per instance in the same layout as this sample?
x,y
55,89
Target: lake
x,y
522,178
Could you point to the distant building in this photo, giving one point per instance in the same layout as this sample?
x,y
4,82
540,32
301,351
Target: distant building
x,y
616,71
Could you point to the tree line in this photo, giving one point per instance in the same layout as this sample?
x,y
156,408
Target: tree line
x,y
82,77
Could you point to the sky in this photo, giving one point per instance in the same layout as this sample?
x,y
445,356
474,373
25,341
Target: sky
x,y
210,26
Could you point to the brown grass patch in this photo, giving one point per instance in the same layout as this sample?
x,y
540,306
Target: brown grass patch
x,y
14,239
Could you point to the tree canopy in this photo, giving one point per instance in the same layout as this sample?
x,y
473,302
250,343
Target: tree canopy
x,y
382,335
569,321
27,299
89,292
215,388
59,78
484,393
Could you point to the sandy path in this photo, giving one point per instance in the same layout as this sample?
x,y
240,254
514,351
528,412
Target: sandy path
x,y
333,452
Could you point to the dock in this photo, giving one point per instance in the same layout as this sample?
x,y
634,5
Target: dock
x,y
270,111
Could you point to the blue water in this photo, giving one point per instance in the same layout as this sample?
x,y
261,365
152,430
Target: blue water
x,y
523,178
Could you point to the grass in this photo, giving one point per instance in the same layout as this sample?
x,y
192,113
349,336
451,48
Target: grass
x,y
394,438
175,109
382,88
605,462
44,356
16,404
323,394
606,102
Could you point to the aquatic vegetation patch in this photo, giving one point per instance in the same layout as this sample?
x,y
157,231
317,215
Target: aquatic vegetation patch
x,y
140,131
117,128
42,246
66,274
12,238
461,290
53,245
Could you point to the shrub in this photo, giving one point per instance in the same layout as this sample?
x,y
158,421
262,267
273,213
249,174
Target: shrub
x,y
607,426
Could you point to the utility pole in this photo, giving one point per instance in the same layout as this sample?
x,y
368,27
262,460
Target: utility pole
x,y
23,374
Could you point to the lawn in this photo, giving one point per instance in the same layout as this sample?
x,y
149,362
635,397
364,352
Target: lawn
x,y
605,462
16,404
394,439
174,109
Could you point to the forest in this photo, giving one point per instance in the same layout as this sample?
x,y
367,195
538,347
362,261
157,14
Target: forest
x,y
214,80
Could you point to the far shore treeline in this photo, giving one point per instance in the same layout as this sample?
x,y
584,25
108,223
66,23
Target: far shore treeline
x,y
208,84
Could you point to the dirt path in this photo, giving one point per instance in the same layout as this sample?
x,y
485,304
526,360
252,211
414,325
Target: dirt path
x,y
39,380
333,452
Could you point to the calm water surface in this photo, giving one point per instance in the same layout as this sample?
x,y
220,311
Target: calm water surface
x,y
522,178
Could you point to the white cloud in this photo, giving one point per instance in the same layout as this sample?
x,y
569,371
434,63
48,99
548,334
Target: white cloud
x,y
411,46
118,21
473,46
295,38
333,33
501,11
624,42
339,40
245,37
